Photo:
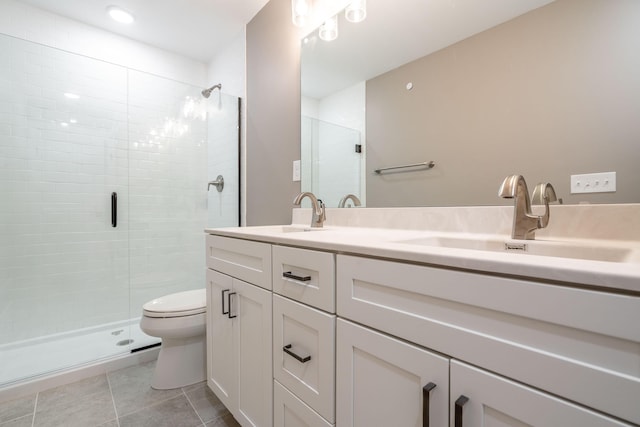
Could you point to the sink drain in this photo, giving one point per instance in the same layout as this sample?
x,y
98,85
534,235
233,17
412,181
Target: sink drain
x,y
124,342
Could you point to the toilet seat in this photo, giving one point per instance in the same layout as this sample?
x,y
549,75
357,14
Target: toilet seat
x,y
181,304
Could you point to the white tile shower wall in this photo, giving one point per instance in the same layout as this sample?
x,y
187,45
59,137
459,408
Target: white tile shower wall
x,y
168,175
62,265
27,22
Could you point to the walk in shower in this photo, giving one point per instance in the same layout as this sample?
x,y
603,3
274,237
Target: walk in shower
x,y
80,138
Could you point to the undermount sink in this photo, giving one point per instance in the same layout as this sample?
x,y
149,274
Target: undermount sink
x,y
531,247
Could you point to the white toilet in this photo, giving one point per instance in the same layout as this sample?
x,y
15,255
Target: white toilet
x,y
179,319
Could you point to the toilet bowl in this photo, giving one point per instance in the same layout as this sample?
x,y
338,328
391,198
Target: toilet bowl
x,y
179,320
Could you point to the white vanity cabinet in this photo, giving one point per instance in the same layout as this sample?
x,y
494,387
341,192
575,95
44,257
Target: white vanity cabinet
x,y
579,344
304,324
239,315
305,337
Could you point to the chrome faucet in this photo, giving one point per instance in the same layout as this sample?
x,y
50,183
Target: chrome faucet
x,y
525,223
317,206
354,199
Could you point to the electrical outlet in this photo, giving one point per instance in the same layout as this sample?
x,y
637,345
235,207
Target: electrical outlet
x,y
603,182
296,170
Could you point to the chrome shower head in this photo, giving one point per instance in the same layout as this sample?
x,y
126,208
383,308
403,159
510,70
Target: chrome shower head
x,y
207,92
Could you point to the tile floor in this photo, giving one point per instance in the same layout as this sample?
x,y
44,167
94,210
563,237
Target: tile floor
x,y
121,398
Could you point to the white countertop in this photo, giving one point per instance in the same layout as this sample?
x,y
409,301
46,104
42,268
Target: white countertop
x,y
395,243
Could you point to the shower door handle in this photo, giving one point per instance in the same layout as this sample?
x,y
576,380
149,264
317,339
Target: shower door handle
x,y
114,209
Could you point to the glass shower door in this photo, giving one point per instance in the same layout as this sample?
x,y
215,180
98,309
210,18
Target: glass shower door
x,y
168,186
64,270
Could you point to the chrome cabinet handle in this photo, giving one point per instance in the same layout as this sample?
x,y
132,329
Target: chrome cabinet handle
x,y
300,359
457,420
425,403
290,275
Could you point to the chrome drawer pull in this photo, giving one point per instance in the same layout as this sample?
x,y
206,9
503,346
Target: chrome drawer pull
x,y
292,354
290,275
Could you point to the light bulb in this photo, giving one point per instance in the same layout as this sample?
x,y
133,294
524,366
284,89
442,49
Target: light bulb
x,y
356,11
300,12
329,30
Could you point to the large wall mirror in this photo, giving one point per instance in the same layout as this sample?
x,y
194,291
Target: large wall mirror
x,y
484,89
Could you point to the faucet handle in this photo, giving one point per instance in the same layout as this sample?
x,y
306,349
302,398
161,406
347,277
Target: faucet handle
x,y
542,191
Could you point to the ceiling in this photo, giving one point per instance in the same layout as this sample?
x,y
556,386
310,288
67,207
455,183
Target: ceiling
x,y
197,29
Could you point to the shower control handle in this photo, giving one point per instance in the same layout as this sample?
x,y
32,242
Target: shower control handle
x,y
114,209
218,183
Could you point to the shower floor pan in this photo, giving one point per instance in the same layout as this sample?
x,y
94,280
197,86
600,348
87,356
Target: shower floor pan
x,y
26,360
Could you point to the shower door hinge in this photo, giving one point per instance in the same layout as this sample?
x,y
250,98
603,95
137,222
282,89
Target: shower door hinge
x,y
358,148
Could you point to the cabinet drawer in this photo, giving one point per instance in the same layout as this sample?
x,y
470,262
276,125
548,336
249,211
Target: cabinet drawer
x,y
311,276
584,344
290,411
309,333
242,259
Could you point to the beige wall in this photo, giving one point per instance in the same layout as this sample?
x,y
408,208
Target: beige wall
x,y
273,114
553,93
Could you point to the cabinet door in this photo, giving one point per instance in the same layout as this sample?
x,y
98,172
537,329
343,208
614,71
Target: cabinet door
x,y
251,307
493,401
221,359
380,381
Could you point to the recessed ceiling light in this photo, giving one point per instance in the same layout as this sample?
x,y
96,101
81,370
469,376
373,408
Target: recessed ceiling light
x,y
71,95
120,15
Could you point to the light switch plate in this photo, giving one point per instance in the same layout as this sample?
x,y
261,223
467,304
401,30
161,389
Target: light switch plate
x,y
602,182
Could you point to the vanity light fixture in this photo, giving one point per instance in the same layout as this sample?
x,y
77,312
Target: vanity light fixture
x,y
329,30
120,15
300,12
356,11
